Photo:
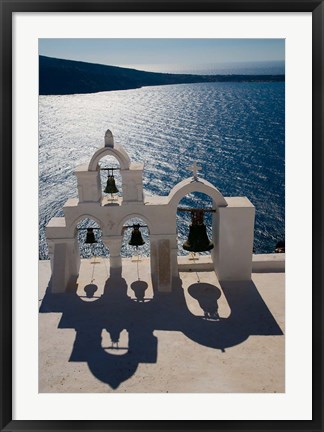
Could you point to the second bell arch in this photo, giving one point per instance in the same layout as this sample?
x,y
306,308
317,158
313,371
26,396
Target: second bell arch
x,y
194,223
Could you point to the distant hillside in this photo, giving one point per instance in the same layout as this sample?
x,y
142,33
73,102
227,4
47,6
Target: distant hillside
x,y
59,77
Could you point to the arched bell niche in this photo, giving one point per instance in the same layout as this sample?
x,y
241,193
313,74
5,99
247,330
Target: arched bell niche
x,y
192,186
89,250
91,184
110,179
193,200
93,272
127,228
136,228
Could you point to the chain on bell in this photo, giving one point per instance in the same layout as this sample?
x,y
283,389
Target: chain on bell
x,y
198,240
136,237
111,185
90,237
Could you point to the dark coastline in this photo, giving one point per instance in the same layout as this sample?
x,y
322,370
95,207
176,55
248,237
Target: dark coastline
x,y
63,77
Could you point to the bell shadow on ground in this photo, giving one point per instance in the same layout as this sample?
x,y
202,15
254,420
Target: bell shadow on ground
x,y
249,316
139,288
115,311
207,295
90,290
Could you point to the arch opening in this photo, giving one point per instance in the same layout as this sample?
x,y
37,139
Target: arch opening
x,y
128,250
188,186
90,250
193,200
104,164
117,152
140,289
93,272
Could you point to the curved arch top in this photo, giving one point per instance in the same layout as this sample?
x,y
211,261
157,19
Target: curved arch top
x,y
119,228
118,152
189,185
74,223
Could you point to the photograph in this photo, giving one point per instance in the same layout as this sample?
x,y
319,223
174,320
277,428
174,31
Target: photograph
x,y
161,215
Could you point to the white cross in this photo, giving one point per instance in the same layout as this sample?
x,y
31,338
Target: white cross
x,y
195,168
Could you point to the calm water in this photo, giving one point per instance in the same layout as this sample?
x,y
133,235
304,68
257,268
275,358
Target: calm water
x,y
236,131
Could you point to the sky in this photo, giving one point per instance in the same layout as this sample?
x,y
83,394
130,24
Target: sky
x,y
174,55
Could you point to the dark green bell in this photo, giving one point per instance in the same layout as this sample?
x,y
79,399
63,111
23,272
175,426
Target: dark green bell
x,y
111,185
198,240
90,238
136,237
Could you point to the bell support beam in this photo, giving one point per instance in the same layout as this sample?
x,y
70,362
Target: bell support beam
x,y
132,226
185,209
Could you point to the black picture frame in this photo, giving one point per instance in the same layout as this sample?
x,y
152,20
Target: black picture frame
x,y
6,397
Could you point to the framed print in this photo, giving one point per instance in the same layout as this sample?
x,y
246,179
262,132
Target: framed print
x,y
156,159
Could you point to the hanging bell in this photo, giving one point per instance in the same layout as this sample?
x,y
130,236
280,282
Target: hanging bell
x,y
90,238
136,237
111,185
198,240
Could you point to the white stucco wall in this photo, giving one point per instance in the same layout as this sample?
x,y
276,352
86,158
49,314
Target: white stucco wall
x,y
233,233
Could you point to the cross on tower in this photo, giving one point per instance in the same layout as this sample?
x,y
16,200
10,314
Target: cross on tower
x,y
195,168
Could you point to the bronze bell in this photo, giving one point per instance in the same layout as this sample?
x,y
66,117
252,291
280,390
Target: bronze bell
x,y
198,240
90,238
111,185
136,237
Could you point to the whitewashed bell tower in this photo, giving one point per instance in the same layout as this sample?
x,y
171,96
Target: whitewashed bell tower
x,y
232,226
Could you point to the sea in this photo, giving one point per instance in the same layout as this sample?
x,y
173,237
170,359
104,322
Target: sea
x,y
235,131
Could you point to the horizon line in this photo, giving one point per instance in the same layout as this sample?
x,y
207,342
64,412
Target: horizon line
x,y
177,73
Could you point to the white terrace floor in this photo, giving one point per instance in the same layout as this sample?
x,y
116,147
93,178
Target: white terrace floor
x,y
166,342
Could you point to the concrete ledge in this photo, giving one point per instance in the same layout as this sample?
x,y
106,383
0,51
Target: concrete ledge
x,y
201,263
263,263
268,263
